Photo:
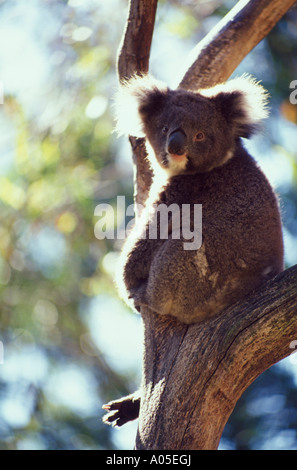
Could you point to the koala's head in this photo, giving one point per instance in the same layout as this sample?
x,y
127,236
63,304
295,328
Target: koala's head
x,y
191,132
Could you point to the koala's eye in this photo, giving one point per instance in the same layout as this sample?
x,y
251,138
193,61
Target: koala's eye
x,y
199,136
165,130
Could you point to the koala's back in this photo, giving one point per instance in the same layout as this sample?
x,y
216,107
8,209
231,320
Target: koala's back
x,y
241,241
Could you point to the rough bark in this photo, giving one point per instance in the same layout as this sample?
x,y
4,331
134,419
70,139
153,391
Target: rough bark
x,y
193,375
134,59
134,51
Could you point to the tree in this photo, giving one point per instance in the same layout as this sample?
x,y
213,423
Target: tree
x,y
194,375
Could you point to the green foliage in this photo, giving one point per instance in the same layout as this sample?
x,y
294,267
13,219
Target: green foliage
x,y
50,261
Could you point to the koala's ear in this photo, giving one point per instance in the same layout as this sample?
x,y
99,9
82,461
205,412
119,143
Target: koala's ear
x,y
243,103
137,100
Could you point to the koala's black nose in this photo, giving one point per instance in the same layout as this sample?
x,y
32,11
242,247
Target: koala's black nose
x,y
177,143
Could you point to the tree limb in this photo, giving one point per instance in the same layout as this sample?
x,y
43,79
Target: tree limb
x,y
216,57
134,58
136,43
195,374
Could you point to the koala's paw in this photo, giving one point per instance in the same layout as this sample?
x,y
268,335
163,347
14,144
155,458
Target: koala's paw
x,y
121,411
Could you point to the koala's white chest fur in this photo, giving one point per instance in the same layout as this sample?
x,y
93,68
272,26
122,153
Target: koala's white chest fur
x,y
177,164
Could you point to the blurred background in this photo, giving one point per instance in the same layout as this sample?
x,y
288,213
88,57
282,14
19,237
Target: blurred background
x,y
69,343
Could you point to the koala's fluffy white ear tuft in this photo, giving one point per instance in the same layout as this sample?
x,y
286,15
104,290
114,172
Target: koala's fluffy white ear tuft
x,y
243,102
135,99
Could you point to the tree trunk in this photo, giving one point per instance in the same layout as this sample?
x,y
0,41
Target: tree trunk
x,y
134,59
194,375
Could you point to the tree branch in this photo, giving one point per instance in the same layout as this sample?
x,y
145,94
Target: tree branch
x,y
195,374
134,58
216,57
136,43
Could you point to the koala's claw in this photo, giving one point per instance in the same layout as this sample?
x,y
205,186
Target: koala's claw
x,y
121,411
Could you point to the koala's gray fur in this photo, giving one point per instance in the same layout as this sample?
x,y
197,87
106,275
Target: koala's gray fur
x,y
195,149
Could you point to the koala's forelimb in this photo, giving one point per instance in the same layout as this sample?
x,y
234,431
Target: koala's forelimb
x,y
137,257
135,270
123,410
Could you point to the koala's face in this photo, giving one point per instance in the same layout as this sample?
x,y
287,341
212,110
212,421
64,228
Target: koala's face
x,y
193,132
188,133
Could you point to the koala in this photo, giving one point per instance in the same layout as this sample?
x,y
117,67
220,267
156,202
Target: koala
x,y
195,148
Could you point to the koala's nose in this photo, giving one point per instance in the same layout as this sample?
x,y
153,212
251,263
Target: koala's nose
x,y
177,143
